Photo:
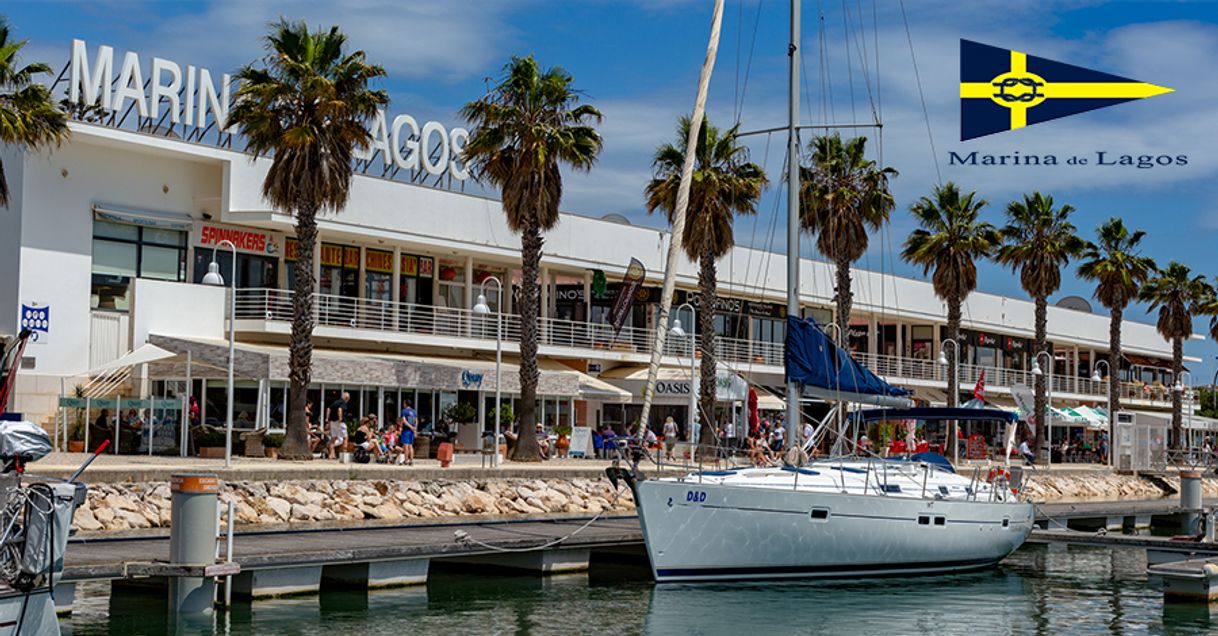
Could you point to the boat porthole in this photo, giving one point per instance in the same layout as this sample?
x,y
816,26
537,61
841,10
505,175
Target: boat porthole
x,y
820,514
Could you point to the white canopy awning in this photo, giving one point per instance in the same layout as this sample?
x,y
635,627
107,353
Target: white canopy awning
x,y
144,354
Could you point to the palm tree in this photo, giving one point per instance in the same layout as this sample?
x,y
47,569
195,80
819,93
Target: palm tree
x,y
950,241
842,195
29,118
1177,294
1119,272
1038,242
724,184
307,104
523,129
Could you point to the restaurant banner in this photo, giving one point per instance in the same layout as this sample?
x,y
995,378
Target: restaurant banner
x,y
246,240
635,273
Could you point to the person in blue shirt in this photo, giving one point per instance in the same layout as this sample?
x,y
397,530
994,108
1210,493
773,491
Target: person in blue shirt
x,y
409,422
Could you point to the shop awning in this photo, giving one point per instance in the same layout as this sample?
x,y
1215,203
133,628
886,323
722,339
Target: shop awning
x,y
356,368
1147,361
146,218
144,354
767,401
591,387
729,385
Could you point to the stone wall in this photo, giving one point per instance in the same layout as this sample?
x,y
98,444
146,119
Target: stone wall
x,y
1103,486
118,507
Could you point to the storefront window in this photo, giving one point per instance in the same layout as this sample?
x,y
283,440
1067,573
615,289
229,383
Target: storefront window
x,y
481,274
858,338
339,270
122,252
416,279
769,330
252,271
821,316
452,284
921,339
378,275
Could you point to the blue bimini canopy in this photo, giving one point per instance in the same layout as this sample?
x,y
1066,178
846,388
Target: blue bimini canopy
x,y
829,372
935,415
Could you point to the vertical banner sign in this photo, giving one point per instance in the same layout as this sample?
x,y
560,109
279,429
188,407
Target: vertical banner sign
x,y
635,273
1026,404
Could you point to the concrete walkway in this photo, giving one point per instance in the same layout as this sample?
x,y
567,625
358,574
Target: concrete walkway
x,y
143,468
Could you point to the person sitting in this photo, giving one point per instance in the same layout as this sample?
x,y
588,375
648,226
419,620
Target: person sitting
x,y
758,450
543,441
1028,456
365,438
509,438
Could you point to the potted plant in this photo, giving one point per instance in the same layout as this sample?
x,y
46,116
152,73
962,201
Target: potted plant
x,y
563,443
76,434
271,443
210,444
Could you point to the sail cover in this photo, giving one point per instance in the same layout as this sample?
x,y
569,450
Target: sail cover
x,y
829,372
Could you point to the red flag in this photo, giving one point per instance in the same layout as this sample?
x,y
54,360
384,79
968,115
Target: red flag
x,y
979,390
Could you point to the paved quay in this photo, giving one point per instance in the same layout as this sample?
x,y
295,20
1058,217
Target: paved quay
x,y
144,468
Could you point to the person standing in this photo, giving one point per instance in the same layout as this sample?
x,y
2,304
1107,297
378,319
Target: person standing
x,y
410,427
670,437
336,416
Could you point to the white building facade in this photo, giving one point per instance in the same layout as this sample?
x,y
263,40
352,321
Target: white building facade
x,y
107,238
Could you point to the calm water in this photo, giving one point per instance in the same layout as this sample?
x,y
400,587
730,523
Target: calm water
x,y
1039,590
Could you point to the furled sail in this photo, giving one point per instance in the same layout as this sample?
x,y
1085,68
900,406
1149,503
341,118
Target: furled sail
x,y
829,372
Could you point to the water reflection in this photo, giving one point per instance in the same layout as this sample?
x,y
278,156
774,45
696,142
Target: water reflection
x,y
1039,590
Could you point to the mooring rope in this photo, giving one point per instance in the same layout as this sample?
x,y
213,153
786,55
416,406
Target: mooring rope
x,y
463,537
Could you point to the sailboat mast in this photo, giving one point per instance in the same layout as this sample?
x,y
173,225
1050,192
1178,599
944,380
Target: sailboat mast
x,y
792,424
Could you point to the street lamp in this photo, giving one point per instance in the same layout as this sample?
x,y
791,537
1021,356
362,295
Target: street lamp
x,y
1095,377
677,332
954,439
482,309
1185,391
1048,414
213,277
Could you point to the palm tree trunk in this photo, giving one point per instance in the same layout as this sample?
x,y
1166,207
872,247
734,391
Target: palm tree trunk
x,y
526,449
1041,402
953,373
1114,375
706,329
844,298
300,361
1177,367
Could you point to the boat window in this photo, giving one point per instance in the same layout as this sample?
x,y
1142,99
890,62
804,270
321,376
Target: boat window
x,y
940,521
820,514
1006,522
923,520
943,490
890,487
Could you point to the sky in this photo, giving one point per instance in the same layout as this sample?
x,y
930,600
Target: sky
x,y
862,61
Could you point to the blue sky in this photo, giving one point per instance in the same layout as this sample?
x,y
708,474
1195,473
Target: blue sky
x,y
638,61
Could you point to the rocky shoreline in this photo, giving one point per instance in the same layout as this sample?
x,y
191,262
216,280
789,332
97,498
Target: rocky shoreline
x,y
137,506
122,507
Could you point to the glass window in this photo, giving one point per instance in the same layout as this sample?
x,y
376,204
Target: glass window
x,y
123,251
118,259
252,271
110,229
164,263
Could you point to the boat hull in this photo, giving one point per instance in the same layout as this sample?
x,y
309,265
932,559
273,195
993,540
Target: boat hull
x,y
709,532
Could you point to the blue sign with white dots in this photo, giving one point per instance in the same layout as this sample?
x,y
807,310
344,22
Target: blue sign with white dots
x,y
37,319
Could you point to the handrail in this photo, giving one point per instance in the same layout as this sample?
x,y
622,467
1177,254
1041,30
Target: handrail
x,y
275,305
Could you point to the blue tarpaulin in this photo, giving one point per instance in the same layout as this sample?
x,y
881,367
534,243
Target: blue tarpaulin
x,y
815,361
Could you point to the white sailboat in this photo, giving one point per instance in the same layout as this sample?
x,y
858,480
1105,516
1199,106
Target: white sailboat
x,y
843,516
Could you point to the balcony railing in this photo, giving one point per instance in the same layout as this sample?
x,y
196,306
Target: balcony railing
x,y
386,316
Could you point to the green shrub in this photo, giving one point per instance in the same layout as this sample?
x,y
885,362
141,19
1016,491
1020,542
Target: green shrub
x,y
272,440
210,439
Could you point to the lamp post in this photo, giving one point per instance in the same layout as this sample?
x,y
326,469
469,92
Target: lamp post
x,y
213,277
954,440
1185,391
482,309
1048,414
678,332
1095,377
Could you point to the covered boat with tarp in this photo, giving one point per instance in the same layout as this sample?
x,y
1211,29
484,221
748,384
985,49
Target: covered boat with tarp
x,y
35,517
828,372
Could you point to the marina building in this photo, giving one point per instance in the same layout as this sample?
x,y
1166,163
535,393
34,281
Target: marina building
x,y
107,239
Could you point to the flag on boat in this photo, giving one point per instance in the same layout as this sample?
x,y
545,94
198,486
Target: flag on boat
x,y
979,390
